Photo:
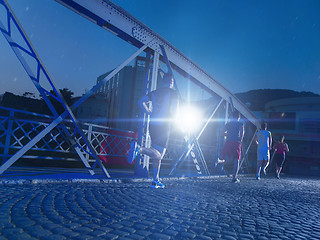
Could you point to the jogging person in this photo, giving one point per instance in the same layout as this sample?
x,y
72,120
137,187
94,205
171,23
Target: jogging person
x,y
280,154
264,141
231,152
165,104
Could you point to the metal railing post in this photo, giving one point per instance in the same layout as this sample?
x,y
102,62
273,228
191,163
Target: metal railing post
x,y
89,140
8,136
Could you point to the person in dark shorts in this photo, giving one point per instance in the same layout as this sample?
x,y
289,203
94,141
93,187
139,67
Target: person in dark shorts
x,y
280,154
231,152
165,104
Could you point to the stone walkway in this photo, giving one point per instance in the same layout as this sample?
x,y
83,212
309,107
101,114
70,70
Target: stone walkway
x,y
192,208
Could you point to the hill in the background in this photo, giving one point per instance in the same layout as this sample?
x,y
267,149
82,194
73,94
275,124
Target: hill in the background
x,y
256,99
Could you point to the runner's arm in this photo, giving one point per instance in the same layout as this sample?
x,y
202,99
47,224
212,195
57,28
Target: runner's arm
x,y
287,148
270,141
143,104
242,133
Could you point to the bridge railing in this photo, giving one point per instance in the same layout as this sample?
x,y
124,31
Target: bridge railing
x,y
18,127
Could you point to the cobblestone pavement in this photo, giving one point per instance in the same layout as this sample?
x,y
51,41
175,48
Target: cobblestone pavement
x,y
212,208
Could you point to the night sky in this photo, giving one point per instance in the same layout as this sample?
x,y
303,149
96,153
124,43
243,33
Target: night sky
x,y
244,44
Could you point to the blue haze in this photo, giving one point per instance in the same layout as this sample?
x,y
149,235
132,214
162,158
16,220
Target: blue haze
x,y
243,44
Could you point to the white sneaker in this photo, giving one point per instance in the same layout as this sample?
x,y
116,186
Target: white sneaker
x,y
157,184
235,180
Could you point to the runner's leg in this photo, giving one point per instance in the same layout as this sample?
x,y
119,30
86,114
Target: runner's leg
x,y
259,165
235,167
266,164
151,152
157,165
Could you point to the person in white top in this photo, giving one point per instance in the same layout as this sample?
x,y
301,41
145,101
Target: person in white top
x,y
264,141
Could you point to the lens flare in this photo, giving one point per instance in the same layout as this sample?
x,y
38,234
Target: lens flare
x,y
188,119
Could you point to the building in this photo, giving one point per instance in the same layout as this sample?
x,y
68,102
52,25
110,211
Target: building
x,y
93,110
298,119
121,94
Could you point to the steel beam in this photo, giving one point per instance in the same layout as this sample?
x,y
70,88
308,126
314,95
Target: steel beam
x,y
119,22
35,75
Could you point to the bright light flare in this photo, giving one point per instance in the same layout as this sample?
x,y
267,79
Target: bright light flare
x,y
189,118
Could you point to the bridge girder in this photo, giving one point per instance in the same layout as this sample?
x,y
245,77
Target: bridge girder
x,y
122,24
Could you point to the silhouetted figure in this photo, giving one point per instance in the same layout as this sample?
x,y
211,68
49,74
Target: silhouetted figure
x,y
280,154
264,141
164,105
231,152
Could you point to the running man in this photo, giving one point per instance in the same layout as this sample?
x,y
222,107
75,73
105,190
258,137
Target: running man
x,y
264,141
231,152
164,106
280,154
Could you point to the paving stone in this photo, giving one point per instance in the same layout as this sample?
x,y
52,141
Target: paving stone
x,y
105,229
179,228
245,237
134,236
140,226
37,231
186,209
22,236
143,233
214,228
129,229
86,237
12,231
224,225
228,233
127,223
213,235
119,233
228,237
315,235
282,237
70,234
197,230
83,230
160,227
97,233
54,237
60,230
262,238
203,237
187,235
159,236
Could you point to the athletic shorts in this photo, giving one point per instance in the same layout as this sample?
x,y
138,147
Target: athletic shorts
x,y
159,135
279,158
232,149
263,154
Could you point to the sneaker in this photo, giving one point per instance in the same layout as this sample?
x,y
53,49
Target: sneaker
x,y
133,152
221,161
157,184
258,177
278,176
235,180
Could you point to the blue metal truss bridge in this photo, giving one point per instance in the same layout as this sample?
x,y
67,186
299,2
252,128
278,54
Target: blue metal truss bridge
x,y
64,133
